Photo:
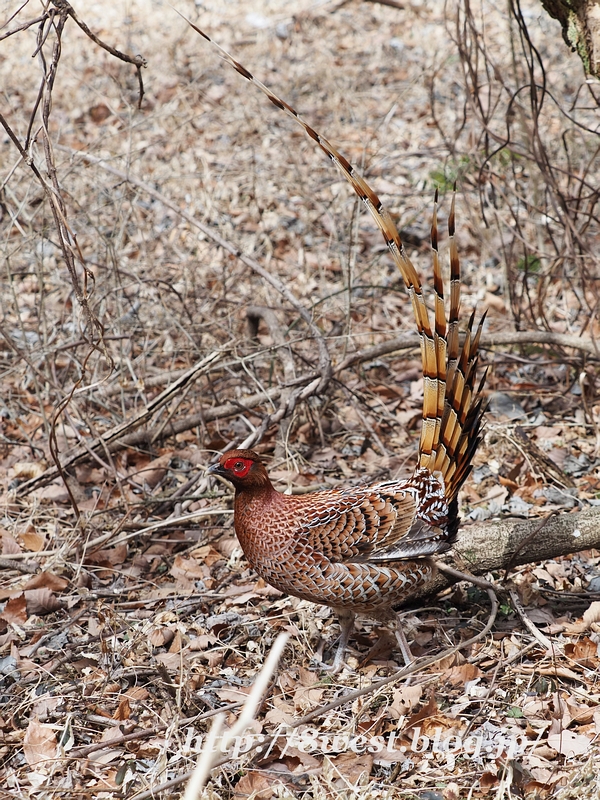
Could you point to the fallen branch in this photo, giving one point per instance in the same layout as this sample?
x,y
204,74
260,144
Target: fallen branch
x,y
493,545
29,568
115,434
118,438
147,733
531,627
488,340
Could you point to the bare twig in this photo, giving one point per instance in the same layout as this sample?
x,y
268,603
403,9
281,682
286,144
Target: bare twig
x,y
138,61
55,18
537,634
390,3
463,576
325,368
121,430
119,437
209,756
83,752
488,340
27,567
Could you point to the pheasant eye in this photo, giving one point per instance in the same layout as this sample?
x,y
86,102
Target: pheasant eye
x,y
239,466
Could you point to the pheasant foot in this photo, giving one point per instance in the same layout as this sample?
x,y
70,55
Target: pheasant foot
x,y
346,619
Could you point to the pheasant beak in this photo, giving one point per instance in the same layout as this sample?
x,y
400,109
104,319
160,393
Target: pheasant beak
x,y
215,469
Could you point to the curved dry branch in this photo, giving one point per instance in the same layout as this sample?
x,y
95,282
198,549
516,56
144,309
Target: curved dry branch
x,y
138,61
488,340
116,435
125,435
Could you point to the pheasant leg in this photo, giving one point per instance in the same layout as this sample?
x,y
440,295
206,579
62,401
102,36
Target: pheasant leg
x,y
404,648
346,619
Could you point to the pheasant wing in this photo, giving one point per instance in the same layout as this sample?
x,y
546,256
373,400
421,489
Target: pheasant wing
x,y
387,522
371,523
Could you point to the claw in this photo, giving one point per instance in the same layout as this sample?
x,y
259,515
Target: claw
x,y
346,619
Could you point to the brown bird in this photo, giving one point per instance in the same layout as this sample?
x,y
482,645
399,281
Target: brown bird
x,y
366,549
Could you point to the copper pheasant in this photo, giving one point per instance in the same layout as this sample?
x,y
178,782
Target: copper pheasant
x,y
366,549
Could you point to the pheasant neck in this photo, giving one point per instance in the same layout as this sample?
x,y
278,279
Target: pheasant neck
x,y
260,521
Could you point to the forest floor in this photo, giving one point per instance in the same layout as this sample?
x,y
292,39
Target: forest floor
x,y
129,615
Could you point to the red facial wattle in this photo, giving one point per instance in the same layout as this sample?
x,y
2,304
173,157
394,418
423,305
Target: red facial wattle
x,y
240,467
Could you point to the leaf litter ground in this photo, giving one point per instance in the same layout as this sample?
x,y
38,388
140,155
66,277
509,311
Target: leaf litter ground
x,y
121,636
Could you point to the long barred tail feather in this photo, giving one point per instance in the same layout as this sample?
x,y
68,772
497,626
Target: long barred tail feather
x,y
449,438
434,386
452,410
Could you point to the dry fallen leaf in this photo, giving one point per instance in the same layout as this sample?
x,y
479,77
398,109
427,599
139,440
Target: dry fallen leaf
x,y
404,700
227,544
569,744
54,492
451,792
202,642
151,473
544,751
41,601
307,678
39,743
137,693
111,557
462,673
592,614
259,785
299,762
487,780
171,661
584,652
47,580
160,636
10,546
552,672
306,698
581,714
234,694
99,113
123,710
281,714
176,644
187,571
33,541
352,766
15,610
208,554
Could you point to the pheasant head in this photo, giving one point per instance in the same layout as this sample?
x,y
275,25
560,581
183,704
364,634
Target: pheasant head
x,y
244,469
261,517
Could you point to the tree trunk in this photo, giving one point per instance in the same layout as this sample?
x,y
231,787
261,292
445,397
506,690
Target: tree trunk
x,y
580,21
